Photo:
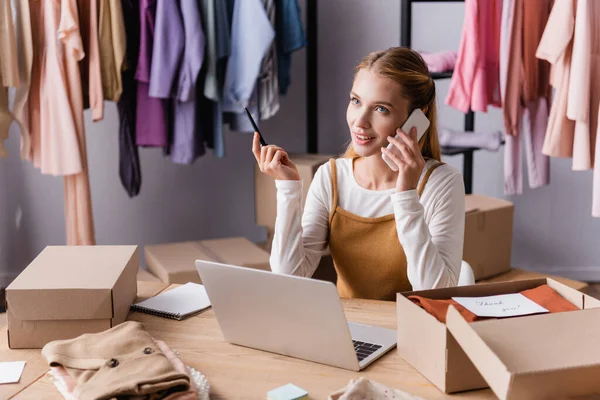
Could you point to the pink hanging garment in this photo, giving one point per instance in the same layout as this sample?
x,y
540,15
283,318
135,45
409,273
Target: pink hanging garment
x,y
525,93
475,82
442,61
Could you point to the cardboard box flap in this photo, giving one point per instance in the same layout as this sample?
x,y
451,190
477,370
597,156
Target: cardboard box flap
x,y
535,347
483,289
513,351
574,297
487,362
60,304
235,251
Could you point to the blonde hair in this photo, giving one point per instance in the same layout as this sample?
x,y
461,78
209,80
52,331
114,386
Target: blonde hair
x,y
407,68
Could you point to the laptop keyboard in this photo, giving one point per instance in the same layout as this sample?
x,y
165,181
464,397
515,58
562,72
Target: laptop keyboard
x,y
364,349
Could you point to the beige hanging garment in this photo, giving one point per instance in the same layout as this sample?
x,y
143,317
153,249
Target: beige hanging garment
x,y
25,59
55,109
91,76
112,48
9,69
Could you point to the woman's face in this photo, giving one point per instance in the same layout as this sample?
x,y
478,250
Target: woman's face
x,y
375,111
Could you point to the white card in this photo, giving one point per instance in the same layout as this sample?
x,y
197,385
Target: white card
x,y
504,305
10,372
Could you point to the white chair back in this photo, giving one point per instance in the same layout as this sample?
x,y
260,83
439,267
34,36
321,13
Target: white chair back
x,y
466,277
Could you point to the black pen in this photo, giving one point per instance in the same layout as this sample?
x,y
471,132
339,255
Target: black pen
x,y
262,141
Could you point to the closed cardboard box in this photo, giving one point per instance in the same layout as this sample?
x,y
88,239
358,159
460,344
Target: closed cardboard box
x,y
488,235
530,357
67,291
265,192
146,276
175,262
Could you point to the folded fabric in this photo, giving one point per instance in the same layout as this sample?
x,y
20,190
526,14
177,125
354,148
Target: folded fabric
x,y
451,138
122,361
364,389
543,295
441,61
63,382
66,384
177,362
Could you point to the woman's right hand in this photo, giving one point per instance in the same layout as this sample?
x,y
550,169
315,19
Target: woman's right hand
x,y
274,161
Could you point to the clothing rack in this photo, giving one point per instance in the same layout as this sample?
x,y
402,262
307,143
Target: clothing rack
x,y
312,81
312,134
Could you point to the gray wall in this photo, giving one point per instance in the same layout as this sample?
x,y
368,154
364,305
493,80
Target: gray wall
x,y
554,230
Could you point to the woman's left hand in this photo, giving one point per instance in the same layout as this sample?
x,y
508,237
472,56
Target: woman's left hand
x,y
410,163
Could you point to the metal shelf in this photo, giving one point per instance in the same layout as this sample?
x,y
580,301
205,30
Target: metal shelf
x,y
312,84
405,40
453,151
442,75
312,125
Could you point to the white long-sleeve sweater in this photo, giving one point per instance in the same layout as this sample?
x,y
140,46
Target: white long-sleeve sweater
x,y
430,229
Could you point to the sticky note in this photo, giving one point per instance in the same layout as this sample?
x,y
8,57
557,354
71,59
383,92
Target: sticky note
x,y
10,372
287,392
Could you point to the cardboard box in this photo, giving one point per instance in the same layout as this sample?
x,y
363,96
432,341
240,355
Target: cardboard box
x,y
145,276
175,262
517,274
67,291
488,235
265,194
526,357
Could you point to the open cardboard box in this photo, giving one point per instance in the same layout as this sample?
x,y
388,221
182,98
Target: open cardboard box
x,y
531,357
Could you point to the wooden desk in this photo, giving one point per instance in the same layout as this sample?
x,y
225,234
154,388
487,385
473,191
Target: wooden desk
x,y
236,372
33,380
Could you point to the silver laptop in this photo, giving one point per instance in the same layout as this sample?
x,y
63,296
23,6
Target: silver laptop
x,y
290,315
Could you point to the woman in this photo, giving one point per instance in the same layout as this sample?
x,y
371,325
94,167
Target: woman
x,y
388,231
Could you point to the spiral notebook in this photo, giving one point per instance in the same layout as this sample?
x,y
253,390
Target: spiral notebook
x,y
179,303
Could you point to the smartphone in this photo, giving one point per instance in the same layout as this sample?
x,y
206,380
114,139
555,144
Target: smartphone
x,y
416,119
260,137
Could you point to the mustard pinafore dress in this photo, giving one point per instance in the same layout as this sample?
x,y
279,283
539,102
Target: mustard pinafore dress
x,y
367,255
